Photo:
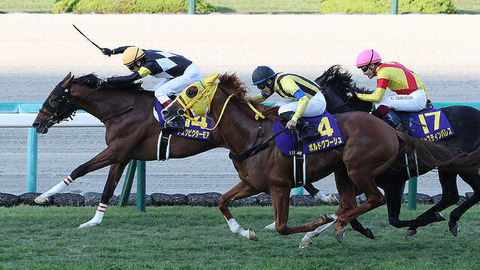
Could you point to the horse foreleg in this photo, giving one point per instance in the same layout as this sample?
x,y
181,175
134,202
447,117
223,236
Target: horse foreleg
x,y
241,190
114,175
374,199
101,160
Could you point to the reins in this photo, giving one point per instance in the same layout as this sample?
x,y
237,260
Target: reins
x,y
258,114
256,149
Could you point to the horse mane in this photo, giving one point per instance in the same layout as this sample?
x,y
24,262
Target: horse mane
x,y
91,80
335,75
231,84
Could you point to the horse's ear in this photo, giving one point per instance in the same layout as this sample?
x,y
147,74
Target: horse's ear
x,y
67,80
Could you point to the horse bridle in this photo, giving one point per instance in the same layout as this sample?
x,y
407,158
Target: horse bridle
x,y
65,103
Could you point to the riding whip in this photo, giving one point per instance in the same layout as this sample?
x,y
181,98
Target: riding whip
x,y
87,38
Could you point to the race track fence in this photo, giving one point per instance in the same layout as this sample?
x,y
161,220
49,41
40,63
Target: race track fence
x,y
22,115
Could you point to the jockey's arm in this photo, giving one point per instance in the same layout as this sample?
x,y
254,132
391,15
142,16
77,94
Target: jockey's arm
x,y
302,104
124,79
373,97
142,72
260,97
120,50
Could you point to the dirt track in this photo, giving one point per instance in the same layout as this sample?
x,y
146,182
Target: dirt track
x,y
39,49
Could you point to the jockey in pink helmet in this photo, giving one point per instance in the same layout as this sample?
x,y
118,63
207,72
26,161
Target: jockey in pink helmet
x,y
397,78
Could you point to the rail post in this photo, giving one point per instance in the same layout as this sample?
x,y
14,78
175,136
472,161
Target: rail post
x,y
393,6
412,193
32,161
141,187
191,6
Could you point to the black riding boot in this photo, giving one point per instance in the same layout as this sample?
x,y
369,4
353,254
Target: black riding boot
x,y
311,133
393,120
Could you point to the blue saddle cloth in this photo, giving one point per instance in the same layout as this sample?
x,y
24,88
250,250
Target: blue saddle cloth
x,y
430,125
326,125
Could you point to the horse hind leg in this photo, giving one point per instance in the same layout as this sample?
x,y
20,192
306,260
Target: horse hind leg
x,y
449,197
241,190
473,179
113,178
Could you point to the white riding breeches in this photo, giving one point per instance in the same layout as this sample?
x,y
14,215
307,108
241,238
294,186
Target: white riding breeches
x,y
169,87
316,106
414,102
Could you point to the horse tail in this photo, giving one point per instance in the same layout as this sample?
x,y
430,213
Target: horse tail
x,y
435,154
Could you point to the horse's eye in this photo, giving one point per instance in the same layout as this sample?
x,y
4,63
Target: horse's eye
x,y
191,91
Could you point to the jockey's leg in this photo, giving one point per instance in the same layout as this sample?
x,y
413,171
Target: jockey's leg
x,y
391,117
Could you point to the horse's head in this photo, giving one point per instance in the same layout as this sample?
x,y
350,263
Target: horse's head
x,y
335,85
193,101
57,106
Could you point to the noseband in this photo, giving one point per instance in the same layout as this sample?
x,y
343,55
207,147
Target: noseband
x,y
65,109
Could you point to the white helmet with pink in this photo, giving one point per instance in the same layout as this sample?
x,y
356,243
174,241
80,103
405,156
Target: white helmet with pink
x,y
368,57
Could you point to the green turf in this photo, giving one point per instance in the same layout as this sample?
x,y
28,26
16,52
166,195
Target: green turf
x,y
199,238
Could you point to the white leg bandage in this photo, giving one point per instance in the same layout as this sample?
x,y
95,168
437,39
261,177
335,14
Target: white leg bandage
x,y
59,187
97,219
236,228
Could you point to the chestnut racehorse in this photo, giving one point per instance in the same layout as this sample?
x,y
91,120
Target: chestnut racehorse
x,y
371,147
131,130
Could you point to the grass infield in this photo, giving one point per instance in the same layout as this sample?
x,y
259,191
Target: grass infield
x,y
228,6
199,238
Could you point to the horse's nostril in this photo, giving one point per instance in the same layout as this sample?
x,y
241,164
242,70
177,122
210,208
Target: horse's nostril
x,y
35,124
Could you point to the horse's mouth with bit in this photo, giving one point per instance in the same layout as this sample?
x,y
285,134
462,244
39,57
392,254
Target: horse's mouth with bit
x,y
40,127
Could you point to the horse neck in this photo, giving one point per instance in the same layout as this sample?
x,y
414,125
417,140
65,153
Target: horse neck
x,y
238,129
336,103
103,103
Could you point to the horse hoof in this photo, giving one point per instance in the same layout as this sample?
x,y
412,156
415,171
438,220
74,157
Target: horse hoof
x,y
271,226
41,200
305,243
440,217
410,233
328,218
454,230
339,236
333,199
369,233
252,235
87,225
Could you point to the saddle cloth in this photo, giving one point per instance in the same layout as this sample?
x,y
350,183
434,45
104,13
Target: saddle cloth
x,y
431,125
326,125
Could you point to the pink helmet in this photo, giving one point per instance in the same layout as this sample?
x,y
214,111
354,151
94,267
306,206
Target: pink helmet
x,y
368,57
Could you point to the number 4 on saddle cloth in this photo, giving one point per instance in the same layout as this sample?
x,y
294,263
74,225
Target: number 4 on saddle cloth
x,y
330,137
430,125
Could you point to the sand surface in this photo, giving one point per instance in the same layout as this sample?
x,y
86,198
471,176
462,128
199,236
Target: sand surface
x,y
38,50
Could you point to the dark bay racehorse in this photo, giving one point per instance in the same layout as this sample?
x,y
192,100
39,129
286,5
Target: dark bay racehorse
x,y
466,124
371,147
131,130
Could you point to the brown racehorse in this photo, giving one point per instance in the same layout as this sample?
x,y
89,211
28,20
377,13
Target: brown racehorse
x,y
371,147
131,130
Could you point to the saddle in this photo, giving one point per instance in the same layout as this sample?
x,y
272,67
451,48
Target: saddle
x,y
291,144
